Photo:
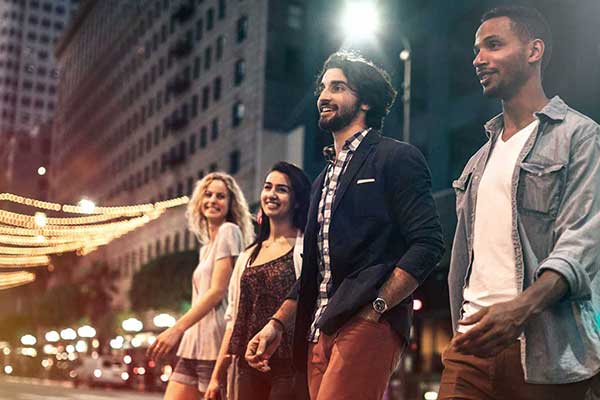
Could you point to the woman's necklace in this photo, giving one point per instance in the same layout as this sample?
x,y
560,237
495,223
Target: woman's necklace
x,y
278,241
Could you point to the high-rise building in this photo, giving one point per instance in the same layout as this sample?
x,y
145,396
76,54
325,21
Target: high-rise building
x,y
156,94
29,30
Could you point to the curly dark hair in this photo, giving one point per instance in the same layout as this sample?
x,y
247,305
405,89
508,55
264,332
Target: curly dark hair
x,y
370,82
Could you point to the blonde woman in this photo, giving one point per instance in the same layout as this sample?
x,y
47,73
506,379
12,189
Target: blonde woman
x,y
262,278
218,215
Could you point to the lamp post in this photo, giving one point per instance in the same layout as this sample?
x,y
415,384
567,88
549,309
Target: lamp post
x,y
406,56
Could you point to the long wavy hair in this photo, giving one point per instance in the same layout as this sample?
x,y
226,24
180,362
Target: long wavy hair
x,y
300,191
238,213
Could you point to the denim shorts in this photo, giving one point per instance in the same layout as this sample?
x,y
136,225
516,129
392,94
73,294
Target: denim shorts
x,y
193,372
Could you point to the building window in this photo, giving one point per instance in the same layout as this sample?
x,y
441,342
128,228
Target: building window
x,y
219,49
214,131
197,65
207,57
210,19
193,143
190,186
222,9
205,97
217,89
240,72
203,138
199,29
234,162
237,115
176,242
242,29
194,105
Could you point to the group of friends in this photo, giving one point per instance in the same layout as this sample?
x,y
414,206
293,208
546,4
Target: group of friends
x,y
319,304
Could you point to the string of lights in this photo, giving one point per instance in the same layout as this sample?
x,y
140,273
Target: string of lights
x,y
29,240
13,279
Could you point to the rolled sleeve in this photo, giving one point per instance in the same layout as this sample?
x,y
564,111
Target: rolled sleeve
x,y
579,283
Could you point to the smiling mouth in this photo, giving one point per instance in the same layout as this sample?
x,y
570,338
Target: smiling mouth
x,y
484,77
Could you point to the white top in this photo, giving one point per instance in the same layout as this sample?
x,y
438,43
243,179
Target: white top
x,y
203,339
240,266
493,276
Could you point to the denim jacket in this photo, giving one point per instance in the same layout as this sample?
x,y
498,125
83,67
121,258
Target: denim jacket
x,y
555,226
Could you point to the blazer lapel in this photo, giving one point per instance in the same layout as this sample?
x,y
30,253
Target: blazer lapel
x,y
358,158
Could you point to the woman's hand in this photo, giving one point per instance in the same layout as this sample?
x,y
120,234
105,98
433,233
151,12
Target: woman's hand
x,y
213,391
164,343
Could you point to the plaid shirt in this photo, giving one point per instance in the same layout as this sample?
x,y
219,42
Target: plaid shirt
x,y
336,166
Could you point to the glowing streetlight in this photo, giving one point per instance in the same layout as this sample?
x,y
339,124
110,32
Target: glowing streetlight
x,y
87,206
52,336
41,171
117,342
417,304
360,20
132,325
86,331
28,340
68,334
164,321
40,219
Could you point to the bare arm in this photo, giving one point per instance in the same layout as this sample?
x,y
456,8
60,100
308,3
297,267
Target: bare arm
x,y
399,286
211,298
219,374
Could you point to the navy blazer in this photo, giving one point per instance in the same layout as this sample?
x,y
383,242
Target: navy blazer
x,y
383,217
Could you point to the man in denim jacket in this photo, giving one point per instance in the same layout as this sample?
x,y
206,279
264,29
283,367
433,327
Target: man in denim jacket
x,y
523,286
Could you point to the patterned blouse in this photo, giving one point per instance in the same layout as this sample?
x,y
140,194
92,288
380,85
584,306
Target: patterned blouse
x,y
262,290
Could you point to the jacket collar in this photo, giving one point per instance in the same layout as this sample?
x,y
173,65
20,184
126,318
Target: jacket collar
x,y
555,110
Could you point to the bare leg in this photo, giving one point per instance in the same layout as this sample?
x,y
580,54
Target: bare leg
x,y
179,391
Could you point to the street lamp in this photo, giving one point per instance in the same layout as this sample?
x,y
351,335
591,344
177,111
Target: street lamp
x,y
41,171
28,340
405,56
68,334
40,219
87,206
359,20
52,336
132,325
164,321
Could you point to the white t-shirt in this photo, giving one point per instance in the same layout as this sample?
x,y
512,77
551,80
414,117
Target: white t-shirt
x,y
493,273
202,340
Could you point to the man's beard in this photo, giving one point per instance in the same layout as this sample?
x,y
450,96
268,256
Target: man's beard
x,y
342,118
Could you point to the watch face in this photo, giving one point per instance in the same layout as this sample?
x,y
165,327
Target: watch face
x,y
379,305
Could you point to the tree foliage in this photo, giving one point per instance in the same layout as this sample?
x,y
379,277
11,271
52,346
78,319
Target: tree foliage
x,y
164,283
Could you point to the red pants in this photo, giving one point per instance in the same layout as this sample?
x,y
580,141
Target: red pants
x,y
498,378
355,363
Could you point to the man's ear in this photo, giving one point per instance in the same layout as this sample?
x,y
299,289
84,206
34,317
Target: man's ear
x,y
536,51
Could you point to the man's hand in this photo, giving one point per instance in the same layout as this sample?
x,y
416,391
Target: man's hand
x,y
495,328
164,343
263,345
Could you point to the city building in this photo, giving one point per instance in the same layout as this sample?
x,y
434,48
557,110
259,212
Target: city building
x,y
29,30
155,94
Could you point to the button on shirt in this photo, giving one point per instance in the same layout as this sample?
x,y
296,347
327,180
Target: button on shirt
x,y
336,166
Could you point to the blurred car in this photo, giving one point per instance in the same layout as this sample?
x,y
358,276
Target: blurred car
x,y
103,370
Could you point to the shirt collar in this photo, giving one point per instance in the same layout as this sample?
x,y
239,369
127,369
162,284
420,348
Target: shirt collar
x,y
350,144
555,110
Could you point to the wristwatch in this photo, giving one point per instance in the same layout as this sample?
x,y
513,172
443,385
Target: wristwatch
x,y
379,305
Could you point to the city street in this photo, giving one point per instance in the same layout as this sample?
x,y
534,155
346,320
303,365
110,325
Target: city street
x,y
35,389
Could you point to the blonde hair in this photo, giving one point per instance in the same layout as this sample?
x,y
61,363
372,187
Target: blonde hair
x,y
238,213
